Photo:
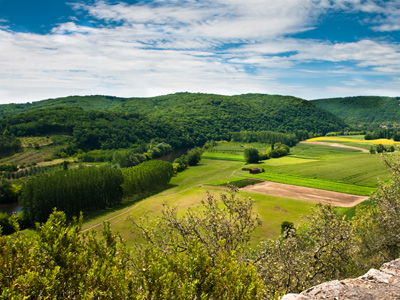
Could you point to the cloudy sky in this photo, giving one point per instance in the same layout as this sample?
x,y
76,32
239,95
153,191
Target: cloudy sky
x,y
138,48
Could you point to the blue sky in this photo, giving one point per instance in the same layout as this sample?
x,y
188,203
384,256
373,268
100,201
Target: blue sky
x,y
306,48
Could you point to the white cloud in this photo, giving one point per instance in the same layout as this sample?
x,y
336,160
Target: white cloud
x,y
217,19
365,53
218,46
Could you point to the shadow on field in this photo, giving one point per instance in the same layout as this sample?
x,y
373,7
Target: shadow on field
x,y
126,202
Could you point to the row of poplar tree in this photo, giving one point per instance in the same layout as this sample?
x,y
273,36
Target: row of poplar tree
x,y
91,188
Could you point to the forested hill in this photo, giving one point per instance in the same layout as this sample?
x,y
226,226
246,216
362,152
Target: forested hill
x,y
182,119
364,110
85,102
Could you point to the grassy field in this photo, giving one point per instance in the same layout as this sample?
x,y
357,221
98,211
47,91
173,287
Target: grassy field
x,y
318,166
31,155
224,156
41,155
237,147
206,171
359,139
357,169
314,151
187,188
316,183
186,191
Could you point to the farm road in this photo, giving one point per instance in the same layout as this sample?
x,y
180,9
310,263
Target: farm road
x,y
336,145
305,193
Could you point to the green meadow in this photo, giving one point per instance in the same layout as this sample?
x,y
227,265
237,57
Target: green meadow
x,y
224,156
315,151
237,147
187,190
318,166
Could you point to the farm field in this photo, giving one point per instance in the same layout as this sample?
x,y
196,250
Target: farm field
x,y
340,174
185,191
321,166
38,150
206,170
31,141
31,155
305,193
349,171
237,147
357,139
224,156
317,151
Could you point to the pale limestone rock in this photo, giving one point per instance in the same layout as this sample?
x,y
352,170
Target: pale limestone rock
x,y
383,284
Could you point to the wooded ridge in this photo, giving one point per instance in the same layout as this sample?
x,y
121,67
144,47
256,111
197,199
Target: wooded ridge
x,y
181,120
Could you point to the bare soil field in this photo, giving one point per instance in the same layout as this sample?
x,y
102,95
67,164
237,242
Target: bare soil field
x,y
305,193
336,145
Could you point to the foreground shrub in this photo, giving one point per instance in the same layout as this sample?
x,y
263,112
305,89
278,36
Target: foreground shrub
x,y
57,262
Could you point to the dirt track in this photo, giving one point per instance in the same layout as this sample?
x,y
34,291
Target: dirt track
x,y
305,193
336,145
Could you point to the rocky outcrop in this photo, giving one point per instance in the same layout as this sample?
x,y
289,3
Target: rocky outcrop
x,y
383,284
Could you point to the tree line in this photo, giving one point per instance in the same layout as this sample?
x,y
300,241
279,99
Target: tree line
x,y
72,191
90,188
127,157
270,137
9,145
146,177
383,133
252,155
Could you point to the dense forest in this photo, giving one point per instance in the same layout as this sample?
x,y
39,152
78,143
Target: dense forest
x,y
9,145
364,111
181,120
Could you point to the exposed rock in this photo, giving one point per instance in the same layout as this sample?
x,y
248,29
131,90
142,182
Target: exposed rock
x,y
383,284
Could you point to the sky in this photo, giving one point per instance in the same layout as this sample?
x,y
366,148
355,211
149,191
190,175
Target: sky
x,y
141,48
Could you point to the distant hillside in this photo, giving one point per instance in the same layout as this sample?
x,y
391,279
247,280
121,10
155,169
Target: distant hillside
x,y
86,102
364,110
182,119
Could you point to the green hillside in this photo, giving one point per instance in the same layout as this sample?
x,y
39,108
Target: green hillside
x,y
182,119
86,102
364,110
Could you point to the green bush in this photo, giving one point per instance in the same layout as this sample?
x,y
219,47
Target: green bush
x,y
251,155
194,156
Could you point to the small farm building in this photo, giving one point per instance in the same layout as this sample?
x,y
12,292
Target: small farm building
x,y
255,171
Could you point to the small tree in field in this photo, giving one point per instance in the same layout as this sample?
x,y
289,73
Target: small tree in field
x,y
194,156
251,155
